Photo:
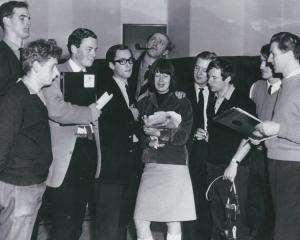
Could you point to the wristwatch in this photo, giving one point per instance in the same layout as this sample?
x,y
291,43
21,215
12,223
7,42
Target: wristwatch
x,y
233,160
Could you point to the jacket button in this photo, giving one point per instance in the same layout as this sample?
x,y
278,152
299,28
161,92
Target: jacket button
x,y
130,150
130,137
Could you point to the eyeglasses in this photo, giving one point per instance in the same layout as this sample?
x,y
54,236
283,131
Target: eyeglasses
x,y
123,61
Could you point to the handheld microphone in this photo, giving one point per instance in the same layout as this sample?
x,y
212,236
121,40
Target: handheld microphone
x,y
138,47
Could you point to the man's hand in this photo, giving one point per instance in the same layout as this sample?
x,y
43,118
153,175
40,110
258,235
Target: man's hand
x,y
95,112
201,134
231,171
180,94
151,131
268,128
134,112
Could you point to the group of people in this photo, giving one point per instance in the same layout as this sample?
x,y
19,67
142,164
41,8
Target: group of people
x,y
152,149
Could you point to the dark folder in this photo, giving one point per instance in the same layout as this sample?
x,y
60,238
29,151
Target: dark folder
x,y
78,88
239,120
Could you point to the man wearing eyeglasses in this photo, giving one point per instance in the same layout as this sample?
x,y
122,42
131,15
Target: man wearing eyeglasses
x,y
116,189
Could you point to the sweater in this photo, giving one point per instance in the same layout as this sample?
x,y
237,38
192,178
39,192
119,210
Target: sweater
x,y
287,113
174,151
25,143
263,100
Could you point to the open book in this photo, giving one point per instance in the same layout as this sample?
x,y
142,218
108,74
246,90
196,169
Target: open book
x,y
241,121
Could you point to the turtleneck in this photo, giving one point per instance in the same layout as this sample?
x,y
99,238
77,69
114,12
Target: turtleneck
x,y
160,97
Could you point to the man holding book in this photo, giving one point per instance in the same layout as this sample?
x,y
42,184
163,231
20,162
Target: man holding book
x,y
283,151
264,94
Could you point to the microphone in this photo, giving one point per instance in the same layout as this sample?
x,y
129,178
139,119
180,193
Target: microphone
x,y
138,47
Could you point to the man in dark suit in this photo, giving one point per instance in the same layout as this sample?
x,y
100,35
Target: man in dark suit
x,y
158,45
117,186
222,145
15,22
199,95
76,158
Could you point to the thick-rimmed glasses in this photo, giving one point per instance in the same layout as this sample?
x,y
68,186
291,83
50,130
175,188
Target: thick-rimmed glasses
x,y
123,61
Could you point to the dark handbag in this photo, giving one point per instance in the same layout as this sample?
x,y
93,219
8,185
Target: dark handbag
x,y
232,211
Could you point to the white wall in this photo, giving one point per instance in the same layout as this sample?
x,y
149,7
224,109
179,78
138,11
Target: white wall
x,y
228,27
58,18
231,27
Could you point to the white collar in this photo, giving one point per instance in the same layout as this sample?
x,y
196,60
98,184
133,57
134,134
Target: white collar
x,y
275,86
197,87
75,67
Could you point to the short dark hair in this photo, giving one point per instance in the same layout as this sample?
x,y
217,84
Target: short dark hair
x,y
40,50
287,42
111,52
206,55
77,36
170,45
265,51
162,65
7,9
224,66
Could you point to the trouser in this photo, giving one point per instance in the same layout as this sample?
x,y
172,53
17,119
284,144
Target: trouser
x,y
70,199
285,188
19,206
114,209
260,208
199,229
219,196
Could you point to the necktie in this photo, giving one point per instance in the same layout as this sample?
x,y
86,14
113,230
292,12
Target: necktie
x,y
144,86
128,94
270,90
20,53
200,108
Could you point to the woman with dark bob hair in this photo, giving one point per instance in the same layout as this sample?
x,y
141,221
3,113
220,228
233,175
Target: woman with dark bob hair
x,y
165,193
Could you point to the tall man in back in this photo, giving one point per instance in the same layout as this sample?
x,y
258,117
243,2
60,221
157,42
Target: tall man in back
x,y
117,187
76,159
25,144
158,45
15,22
199,95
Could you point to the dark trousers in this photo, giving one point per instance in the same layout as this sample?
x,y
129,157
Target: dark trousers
x,y
285,188
259,208
200,228
70,199
219,195
114,209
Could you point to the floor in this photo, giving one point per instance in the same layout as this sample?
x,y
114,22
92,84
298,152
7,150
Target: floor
x,y
158,230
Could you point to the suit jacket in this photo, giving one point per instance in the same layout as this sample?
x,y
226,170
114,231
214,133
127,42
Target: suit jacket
x,y
63,138
223,141
10,69
117,126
